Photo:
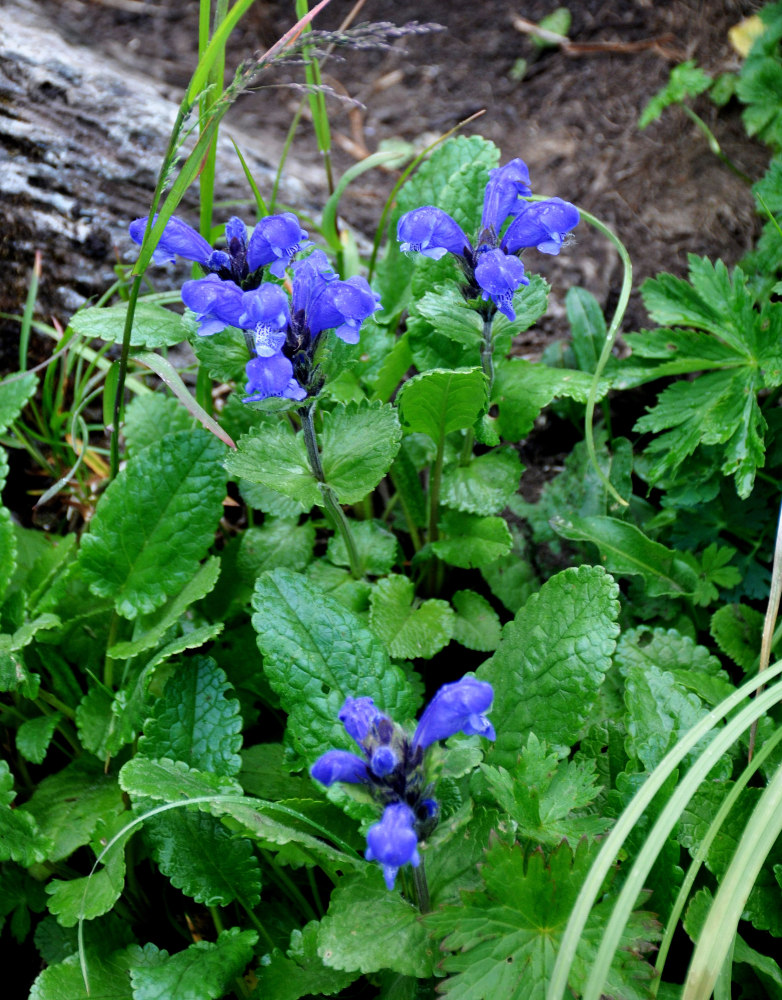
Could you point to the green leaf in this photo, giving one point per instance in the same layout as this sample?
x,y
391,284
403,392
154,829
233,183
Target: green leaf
x,y
439,401
7,544
279,542
203,860
155,522
195,721
552,660
376,546
15,391
273,455
24,635
358,444
504,938
477,625
203,971
172,780
108,975
153,326
149,418
587,327
522,388
485,485
472,540
627,551
408,628
367,928
264,774
223,354
737,629
14,676
259,497
34,736
150,629
685,80
300,971
316,653
512,579
69,805
20,838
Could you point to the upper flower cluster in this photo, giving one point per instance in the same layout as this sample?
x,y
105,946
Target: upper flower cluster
x,y
490,264
391,765
281,335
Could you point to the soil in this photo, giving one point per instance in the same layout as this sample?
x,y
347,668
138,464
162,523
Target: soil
x,y
572,116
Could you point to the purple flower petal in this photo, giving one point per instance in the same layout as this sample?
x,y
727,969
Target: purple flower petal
x,y
265,312
384,761
542,224
499,276
506,186
275,240
272,376
216,303
432,232
456,707
343,306
178,239
339,765
359,716
393,841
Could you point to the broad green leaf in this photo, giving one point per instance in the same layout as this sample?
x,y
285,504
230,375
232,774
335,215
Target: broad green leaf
x,y
273,455
737,629
587,327
203,971
522,388
439,401
92,896
551,661
202,859
34,736
41,560
153,326
195,721
376,546
316,653
109,978
7,546
24,635
149,418
15,391
264,774
368,928
358,444
260,497
14,676
20,838
300,971
512,578
279,542
69,805
340,584
408,628
155,522
627,551
471,540
485,484
503,940
477,625
685,80
171,780
223,354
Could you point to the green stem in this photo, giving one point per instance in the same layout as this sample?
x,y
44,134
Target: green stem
x,y
135,288
435,479
258,925
487,359
54,701
421,888
330,502
714,145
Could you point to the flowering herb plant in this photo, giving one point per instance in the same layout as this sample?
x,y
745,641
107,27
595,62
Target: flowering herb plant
x,y
307,532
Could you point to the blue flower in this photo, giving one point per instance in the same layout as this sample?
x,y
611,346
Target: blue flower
x,y
276,240
457,707
216,303
393,841
272,376
490,265
391,765
178,240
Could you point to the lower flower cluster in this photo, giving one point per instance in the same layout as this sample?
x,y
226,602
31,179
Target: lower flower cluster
x,y
391,765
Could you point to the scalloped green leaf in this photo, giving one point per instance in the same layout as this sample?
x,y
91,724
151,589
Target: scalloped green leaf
x,y
34,736
172,780
155,523
153,326
15,391
367,928
316,653
551,661
376,546
149,418
278,542
223,354
408,628
20,838
300,971
196,721
472,541
477,624
485,484
358,444
440,401
274,455
203,859
203,971
737,629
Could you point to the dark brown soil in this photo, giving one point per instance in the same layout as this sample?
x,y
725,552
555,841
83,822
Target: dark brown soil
x,y
573,118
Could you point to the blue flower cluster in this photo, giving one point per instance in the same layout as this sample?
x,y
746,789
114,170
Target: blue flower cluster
x,y
491,266
281,335
391,765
